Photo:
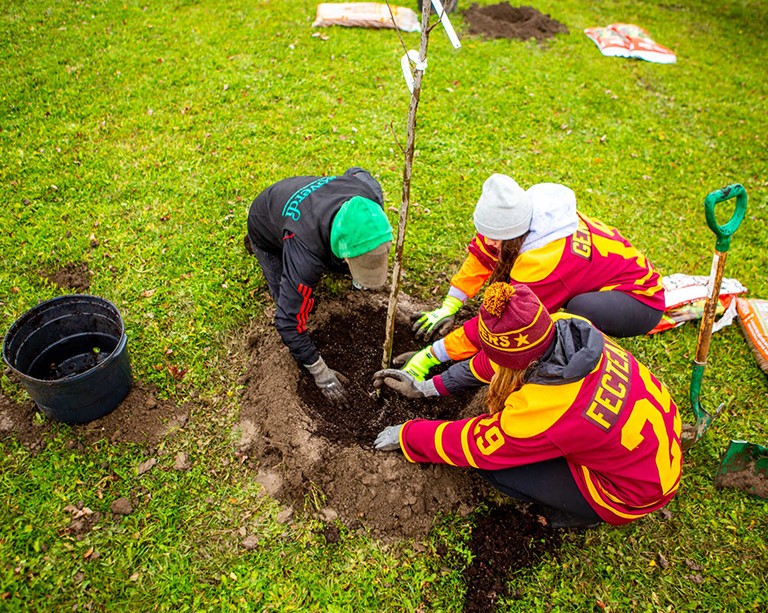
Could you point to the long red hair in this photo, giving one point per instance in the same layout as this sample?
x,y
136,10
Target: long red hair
x,y
506,381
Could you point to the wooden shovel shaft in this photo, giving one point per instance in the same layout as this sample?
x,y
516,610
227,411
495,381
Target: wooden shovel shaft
x,y
710,308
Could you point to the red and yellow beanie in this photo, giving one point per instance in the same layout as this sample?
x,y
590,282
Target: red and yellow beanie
x,y
515,328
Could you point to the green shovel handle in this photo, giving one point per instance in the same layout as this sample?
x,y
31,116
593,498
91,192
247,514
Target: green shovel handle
x,y
724,232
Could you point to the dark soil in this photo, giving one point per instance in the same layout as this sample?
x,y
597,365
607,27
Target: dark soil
x,y
504,540
504,21
355,338
299,444
71,276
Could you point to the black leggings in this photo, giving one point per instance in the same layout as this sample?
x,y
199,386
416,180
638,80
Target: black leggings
x,y
615,313
550,484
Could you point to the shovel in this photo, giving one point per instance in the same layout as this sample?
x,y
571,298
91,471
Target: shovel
x,y
744,467
704,419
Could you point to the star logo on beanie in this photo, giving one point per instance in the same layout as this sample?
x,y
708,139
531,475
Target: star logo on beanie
x,y
522,340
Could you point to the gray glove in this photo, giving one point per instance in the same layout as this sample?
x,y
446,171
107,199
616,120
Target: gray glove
x,y
328,382
388,439
404,383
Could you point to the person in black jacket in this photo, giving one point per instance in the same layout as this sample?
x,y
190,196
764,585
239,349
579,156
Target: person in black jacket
x,y
302,226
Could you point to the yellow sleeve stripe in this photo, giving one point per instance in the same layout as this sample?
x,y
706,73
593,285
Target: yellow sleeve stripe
x,y
465,443
439,444
482,246
596,496
643,280
477,375
402,445
648,291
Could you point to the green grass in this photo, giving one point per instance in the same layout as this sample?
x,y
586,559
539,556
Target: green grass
x,y
149,127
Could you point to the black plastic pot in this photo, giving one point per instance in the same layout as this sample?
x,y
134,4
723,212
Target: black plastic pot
x,y
70,353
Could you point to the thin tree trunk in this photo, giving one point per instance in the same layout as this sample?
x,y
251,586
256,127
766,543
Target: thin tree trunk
x,y
418,73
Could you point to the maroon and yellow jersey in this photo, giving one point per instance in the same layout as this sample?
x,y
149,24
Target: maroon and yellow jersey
x,y
594,258
618,428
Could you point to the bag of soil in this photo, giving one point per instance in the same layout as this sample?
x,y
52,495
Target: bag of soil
x,y
365,15
685,296
753,320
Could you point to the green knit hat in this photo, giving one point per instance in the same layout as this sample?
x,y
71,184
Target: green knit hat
x,y
359,227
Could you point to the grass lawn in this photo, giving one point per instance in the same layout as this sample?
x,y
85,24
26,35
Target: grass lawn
x,y
133,137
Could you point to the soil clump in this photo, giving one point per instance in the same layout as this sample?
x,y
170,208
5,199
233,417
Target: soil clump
x,y
71,276
505,21
504,540
747,476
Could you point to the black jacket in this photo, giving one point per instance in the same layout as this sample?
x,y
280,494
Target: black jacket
x,y
292,219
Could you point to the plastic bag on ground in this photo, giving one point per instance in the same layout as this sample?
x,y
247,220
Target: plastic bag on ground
x,y
365,15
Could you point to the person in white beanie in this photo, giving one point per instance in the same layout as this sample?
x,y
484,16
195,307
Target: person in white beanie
x,y
569,260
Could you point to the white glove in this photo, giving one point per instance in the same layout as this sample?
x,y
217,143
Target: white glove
x,y
404,383
388,439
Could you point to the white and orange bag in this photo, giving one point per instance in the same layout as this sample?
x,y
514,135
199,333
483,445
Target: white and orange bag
x,y
365,15
685,296
629,40
753,319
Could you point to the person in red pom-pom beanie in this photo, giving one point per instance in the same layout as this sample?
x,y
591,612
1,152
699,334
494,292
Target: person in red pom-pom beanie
x,y
575,423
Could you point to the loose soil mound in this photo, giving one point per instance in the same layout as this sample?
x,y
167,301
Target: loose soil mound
x,y
140,418
504,540
302,445
504,21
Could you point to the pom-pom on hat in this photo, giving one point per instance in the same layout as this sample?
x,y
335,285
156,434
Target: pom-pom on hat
x,y
515,328
504,209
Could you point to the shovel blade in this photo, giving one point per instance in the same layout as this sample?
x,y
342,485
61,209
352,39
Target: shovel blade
x,y
692,433
745,467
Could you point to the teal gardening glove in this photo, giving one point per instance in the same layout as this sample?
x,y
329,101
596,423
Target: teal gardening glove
x,y
437,323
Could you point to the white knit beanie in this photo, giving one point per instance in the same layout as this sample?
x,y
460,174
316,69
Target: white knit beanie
x,y
504,210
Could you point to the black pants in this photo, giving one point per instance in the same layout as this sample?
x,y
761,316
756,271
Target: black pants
x,y
615,313
271,266
550,484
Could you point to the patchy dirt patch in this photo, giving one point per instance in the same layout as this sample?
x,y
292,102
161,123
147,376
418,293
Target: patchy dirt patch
x,y
504,540
140,418
304,447
83,521
71,276
505,21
